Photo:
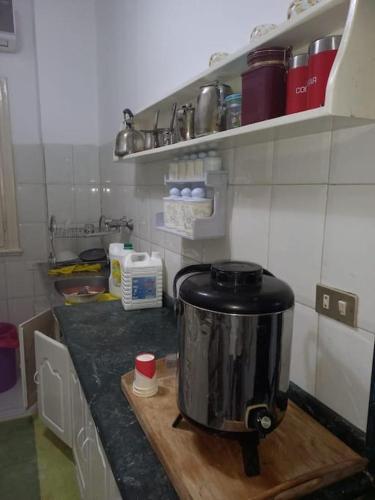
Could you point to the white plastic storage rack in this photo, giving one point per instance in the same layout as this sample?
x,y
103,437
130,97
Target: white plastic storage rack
x,y
207,227
349,96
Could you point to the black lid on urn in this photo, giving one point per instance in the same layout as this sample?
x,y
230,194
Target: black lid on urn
x,y
235,287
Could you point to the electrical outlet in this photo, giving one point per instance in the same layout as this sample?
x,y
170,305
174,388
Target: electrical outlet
x,y
337,304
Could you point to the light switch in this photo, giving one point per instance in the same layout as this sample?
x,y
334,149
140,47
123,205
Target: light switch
x,y
342,307
337,304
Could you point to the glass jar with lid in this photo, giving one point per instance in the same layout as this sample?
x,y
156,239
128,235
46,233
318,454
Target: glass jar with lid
x,y
264,85
233,111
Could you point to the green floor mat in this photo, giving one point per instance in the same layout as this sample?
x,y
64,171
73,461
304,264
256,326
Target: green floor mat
x,y
56,466
18,461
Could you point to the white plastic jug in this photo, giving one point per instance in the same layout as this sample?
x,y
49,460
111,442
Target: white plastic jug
x,y
116,252
142,280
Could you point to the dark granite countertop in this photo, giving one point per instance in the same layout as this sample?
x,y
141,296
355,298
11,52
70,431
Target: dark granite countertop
x,y
103,340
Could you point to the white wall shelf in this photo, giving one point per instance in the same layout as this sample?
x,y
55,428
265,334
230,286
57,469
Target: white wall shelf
x,y
349,95
207,227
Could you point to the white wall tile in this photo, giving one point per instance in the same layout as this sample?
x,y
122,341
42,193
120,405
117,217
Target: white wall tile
x,y
115,172
87,204
20,310
144,246
4,311
34,241
3,283
304,348
216,249
38,284
29,163
158,248
191,249
20,279
249,223
227,156
302,160
156,194
118,201
59,163
61,202
151,174
353,153
142,213
296,237
86,164
32,204
349,249
253,164
344,370
40,304
173,263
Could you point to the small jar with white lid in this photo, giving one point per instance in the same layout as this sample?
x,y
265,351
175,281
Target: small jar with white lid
x,y
173,170
190,166
213,162
182,166
199,165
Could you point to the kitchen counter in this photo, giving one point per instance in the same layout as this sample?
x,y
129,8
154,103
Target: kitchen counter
x,y
103,340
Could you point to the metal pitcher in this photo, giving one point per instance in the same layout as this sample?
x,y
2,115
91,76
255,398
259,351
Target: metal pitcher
x,y
210,111
185,122
128,140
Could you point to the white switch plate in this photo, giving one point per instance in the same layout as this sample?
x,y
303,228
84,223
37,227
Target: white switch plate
x,y
337,304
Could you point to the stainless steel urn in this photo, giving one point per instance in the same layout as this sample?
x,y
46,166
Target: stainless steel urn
x,y
235,329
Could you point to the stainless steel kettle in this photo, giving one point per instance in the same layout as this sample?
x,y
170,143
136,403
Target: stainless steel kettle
x,y
128,140
185,122
210,111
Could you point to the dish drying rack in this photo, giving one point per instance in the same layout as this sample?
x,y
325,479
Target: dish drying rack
x,y
105,227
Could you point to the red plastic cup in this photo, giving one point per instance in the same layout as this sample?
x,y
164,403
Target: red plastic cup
x,y
145,364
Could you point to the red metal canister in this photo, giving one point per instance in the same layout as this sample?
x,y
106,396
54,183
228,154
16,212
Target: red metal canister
x,y
296,86
322,54
263,85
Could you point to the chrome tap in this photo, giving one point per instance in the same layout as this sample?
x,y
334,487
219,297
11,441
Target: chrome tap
x,y
107,224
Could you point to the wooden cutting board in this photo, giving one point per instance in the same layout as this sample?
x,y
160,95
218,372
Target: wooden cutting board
x,y
299,457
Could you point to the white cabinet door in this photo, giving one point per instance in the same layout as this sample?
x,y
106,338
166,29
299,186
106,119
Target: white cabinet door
x,y
44,322
80,436
52,375
98,465
102,483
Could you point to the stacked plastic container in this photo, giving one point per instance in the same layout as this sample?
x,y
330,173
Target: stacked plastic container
x,y
141,280
116,252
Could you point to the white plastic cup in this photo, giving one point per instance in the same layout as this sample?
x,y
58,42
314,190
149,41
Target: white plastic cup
x,y
145,383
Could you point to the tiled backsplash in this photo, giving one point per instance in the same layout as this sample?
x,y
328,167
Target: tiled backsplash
x,y
303,208
65,182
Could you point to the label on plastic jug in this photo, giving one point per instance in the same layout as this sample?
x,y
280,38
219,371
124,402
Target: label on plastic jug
x,y
116,272
144,288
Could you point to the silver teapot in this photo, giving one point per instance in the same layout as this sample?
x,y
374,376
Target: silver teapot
x,y
128,140
210,110
185,122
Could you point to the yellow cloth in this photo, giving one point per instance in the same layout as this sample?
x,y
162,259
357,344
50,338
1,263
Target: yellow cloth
x,y
102,297
107,297
75,268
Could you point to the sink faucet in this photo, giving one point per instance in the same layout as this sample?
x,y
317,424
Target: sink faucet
x,y
106,224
